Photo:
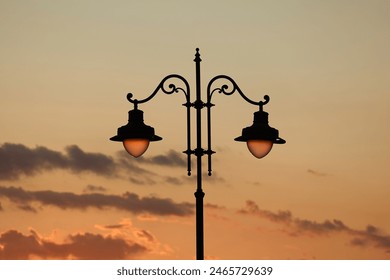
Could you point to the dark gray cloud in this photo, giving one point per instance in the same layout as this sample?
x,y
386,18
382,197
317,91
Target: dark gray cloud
x,y
296,226
172,158
27,208
93,188
88,246
142,180
17,160
214,206
185,179
173,180
118,226
131,165
252,208
326,226
79,161
146,234
316,173
371,235
65,200
286,217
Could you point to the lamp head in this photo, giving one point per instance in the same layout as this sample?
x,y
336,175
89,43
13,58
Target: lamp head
x,y
260,137
136,135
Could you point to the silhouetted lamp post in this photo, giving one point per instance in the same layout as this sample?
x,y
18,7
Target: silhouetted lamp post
x,y
136,135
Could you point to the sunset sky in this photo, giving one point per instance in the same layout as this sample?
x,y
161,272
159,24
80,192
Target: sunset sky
x,y
67,192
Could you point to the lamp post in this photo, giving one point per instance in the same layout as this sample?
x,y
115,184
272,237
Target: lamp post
x,y
136,135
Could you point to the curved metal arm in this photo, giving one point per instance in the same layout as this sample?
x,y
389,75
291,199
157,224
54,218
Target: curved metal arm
x,y
225,89
171,88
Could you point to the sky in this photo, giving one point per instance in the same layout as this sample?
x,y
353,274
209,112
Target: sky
x,y
67,192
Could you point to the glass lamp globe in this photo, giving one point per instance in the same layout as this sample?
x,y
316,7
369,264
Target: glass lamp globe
x,y
136,146
259,148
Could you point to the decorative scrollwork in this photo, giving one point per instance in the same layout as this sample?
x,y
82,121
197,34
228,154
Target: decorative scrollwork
x,y
129,96
229,90
225,89
266,98
170,88
167,89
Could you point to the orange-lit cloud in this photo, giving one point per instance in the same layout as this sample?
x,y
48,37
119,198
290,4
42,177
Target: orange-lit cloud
x,y
15,245
296,226
117,241
127,231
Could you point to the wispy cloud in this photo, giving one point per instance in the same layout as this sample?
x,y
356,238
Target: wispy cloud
x,y
296,226
317,173
65,200
184,179
252,208
143,180
172,158
214,206
94,189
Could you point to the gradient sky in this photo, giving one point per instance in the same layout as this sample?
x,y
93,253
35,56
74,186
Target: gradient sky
x,y
67,192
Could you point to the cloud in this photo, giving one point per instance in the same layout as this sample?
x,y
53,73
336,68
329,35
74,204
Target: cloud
x,y
131,165
173,180
65,200
114,242
371,235
79,161
27,208
172,158
317,173
142,180
296,226
252,208
93,188
185,179
320,228
214,206
144,234
14,245
118,226
17,160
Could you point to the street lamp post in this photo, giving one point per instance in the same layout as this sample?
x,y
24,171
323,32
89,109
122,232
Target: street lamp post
x,y
136,135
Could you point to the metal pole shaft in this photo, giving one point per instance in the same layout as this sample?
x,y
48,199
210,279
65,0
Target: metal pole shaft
x,y
199,194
